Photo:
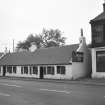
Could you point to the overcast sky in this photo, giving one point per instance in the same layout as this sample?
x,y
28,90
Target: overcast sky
x,y
19,18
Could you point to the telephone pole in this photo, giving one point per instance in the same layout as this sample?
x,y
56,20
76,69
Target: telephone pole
x,y
13,45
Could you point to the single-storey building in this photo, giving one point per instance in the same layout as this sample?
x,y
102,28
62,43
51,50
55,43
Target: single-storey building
x,y
66,62
52,62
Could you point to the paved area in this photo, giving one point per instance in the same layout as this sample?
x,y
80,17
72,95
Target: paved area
x,y
86,81
18,92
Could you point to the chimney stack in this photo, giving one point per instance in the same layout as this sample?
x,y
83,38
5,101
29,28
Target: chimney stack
x,y
33,47
104,6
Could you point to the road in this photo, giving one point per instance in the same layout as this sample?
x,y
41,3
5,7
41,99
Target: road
x,y
17,92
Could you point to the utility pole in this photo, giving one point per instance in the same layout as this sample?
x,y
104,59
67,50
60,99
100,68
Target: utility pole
x,y
81,32
13,45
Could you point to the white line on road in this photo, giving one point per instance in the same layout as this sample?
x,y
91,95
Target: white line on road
x,y
11,85
59,91
4,94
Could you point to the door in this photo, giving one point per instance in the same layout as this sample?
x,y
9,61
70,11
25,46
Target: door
x,y
41,73
4,70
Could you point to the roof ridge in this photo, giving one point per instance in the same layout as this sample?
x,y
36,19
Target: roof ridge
x,y
99,17
51,55
58,46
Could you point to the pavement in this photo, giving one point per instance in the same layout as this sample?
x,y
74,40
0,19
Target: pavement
x,y
84,81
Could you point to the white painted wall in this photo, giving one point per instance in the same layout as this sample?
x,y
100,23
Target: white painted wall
x,y
68,74
1,72
18,73
82,69
77,70
94,73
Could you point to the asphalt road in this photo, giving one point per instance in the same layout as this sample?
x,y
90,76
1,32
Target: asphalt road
x,y
16,92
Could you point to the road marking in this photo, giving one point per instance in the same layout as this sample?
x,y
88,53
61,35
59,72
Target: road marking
x,y
4,94
58,91
11,85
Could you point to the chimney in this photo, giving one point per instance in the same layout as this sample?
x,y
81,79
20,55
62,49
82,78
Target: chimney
x,y
82,44
6,50
104,7
33,47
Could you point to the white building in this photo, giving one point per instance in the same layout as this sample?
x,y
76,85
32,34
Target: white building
x,y
52,63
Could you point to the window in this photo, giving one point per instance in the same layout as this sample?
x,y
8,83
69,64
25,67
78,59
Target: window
x,y
104,32
35,70
77,56
61,70
22,72
25,70
50,70
100,61
9,69
97,34
14,69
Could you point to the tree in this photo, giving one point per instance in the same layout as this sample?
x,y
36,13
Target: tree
x,y
37,39
52,38
47,38
23,45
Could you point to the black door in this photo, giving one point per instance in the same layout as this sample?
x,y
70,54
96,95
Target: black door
x,y
41,73
4,70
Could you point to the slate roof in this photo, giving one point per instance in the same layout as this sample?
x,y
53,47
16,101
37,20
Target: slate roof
x,y
99,17
44,56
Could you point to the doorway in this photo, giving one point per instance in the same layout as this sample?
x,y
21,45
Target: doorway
x,y
4,70
41,73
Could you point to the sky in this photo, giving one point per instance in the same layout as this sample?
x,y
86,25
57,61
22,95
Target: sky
x,y
19,18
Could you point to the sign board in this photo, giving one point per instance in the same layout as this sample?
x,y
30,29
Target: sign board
x,y
77,56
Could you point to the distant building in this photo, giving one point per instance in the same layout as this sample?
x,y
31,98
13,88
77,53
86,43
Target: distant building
x,y
1,55
98,45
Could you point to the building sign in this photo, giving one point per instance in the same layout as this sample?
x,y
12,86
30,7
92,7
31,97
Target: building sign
x,y
77,56
100,61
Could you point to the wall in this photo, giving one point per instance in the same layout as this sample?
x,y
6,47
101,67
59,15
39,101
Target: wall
x,y
77,70
68,74
82,69
18,73
94,73
1,71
